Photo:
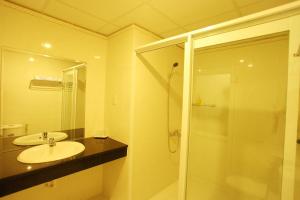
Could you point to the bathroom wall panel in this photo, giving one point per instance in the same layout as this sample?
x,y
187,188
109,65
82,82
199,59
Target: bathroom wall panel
x,y
117,177
135,113
153,164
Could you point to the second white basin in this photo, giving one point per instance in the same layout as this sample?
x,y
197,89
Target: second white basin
x,y
45,153
35,139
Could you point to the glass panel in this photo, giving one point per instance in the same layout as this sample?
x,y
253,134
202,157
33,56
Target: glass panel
x,y
80,98
237,120
67,100
73,101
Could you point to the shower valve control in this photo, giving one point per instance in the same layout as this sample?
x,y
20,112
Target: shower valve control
x,y
45,135
175,133
297,54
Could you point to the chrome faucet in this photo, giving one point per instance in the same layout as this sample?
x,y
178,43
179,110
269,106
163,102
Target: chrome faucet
x,y
45,135
51,142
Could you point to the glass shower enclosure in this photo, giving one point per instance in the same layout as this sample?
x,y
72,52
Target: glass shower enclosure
x,y
240,107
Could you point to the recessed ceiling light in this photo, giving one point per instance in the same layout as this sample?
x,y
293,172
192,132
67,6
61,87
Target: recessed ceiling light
x,y
97,57
31,59
242,61
47,45
250,65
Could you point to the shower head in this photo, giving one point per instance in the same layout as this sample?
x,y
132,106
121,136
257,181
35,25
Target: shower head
x,y
175,64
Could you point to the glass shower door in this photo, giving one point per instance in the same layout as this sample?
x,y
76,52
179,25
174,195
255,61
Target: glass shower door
x,y
236,138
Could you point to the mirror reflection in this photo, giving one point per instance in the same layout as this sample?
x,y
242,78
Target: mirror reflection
x,y
41,97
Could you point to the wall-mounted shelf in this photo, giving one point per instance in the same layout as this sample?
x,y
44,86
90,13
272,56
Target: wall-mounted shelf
x,y
40,84
204,105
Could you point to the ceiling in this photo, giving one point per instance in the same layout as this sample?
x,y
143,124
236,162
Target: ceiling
x,y
162,17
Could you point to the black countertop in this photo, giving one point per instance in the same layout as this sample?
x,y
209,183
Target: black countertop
x,y
16,176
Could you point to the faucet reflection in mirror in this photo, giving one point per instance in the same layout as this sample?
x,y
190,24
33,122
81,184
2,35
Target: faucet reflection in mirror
x,y
40,93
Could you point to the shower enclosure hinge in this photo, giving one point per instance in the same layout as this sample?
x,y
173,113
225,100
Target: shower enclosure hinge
x,y
297,54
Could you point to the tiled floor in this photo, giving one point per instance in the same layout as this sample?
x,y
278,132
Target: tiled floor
x,y
98,197
207,191
169,193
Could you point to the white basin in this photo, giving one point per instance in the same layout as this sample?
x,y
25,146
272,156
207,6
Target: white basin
x,y
45,153
35,139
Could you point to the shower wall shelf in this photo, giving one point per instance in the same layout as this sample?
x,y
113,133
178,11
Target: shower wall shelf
x,y
40,84
205,105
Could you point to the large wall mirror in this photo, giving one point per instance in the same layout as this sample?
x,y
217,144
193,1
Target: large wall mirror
x,y
41,97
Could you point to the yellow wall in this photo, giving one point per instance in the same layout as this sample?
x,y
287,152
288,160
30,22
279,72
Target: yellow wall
x,y
22,29
136,102
118,111
153,164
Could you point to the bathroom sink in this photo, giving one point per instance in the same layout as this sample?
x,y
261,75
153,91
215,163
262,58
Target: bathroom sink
x,y
35,139
46,153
